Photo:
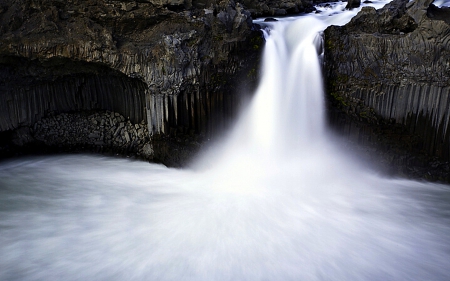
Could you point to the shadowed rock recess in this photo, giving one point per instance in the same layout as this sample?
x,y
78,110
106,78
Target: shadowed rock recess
x,y
279,7
391,68
176,66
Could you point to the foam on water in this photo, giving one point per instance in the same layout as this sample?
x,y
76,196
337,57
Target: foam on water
x,y
94,218
441,3
277,200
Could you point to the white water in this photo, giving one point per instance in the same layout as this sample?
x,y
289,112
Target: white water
x,y
276,201
442,3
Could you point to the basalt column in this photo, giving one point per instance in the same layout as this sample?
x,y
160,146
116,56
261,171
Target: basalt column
x,y
391,66
24,99
178,67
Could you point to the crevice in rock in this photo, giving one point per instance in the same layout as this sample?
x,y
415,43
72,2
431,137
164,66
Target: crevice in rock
x,y
175,8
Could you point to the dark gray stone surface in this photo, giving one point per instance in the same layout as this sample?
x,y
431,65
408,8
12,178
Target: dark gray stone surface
x,y
392,66
176,65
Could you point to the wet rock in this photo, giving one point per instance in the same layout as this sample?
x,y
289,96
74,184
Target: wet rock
x,y
351,4
278,8
390,67
165,64
22,136
127,42
147,150
76,131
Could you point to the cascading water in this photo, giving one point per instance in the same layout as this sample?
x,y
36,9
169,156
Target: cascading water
x,y
275,201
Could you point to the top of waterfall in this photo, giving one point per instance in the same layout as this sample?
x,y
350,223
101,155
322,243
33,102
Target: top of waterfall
x,y
332,13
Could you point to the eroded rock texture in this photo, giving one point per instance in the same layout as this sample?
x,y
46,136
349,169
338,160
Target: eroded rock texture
x,y
392,66
278,8
175,65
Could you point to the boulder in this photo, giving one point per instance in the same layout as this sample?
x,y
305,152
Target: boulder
x,y
351,4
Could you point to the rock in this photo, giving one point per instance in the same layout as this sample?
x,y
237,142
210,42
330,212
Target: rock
x,y
391,66
436,13
351,4
147,150
167,63
280,12
275,7
176,66
22,136
118,131
127,137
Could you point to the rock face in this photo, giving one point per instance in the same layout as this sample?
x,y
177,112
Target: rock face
x,y
353,4
392,66
99,130
278,8
174,65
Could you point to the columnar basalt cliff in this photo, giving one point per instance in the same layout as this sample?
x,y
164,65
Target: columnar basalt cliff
x,y
151,78
173,65
391,66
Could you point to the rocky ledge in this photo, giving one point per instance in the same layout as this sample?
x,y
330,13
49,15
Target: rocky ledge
x,y
279,8
389,69
102,132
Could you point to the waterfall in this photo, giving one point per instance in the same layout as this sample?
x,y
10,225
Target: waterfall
x,y
288,106
276,200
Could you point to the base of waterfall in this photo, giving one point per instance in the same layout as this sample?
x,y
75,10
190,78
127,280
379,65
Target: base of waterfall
x,y
278,198
98,218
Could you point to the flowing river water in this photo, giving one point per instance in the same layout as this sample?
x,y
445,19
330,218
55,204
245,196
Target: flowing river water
x,y
276,200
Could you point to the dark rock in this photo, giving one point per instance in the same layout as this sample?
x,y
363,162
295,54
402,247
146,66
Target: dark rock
x,y
278,8
280,12
436,13
390,67
147,151
22,136
270,20
391,19
351,4
170,64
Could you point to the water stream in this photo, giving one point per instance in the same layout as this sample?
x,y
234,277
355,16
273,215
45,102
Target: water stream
x,y
276,200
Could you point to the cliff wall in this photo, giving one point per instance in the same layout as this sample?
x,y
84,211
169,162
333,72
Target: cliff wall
x,y
392,67
177,66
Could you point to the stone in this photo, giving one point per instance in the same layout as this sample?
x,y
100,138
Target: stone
x,y
127,137
161,63
118,131
116,57
391,66
22,136
351,4
147,150
275,7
